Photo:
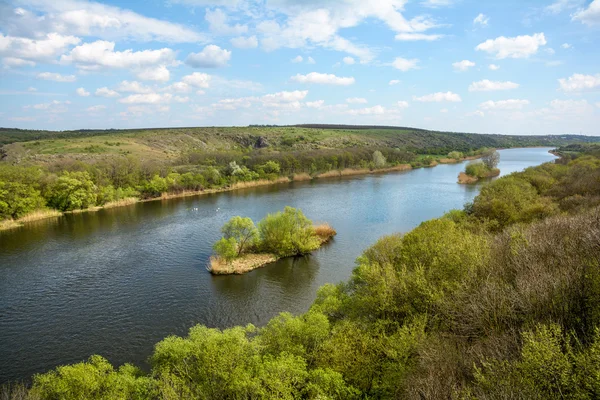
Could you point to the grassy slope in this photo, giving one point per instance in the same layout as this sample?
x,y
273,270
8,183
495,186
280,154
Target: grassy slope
x,y
168,143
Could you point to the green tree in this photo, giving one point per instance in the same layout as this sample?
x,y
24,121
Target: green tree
x,y
18,199
287,233
379,159
72,191
226,248
491,158
243,231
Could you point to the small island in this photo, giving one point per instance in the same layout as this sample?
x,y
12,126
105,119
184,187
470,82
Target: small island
x,y
245,247
481,169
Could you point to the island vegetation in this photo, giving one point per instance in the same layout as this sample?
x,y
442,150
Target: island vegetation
x,y
245,247
499,300
484,168
44,174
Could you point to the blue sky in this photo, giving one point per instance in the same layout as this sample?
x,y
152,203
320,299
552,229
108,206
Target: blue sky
x,y
514,67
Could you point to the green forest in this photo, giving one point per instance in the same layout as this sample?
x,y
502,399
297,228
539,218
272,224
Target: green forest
x,y
500,300
78,170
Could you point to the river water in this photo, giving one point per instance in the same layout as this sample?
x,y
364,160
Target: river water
x,y
117,281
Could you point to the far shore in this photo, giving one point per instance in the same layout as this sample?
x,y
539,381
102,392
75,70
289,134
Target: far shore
x,y
45,214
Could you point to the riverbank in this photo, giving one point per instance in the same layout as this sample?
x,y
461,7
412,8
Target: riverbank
x,y
251,261
465,179
44,214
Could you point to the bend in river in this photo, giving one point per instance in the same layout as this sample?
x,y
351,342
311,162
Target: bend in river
x,y
117,281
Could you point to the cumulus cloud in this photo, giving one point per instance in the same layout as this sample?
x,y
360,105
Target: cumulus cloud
x,y
211,56
45,49
349,60
242,42
218,23
395,82
153,98
317,104
297,59
101,54
494,67
439,97
481,19
404,64
88,18
106,92
402,104
510,104
463,65
580,83
326,79
54,106
179,87
310,60
437,3
94,109
197,80
285,100
56,77
159,74
477,113
513,47
566,46
486,86
82,92
133,87
561,5
356,100
589,16
12,62
375,110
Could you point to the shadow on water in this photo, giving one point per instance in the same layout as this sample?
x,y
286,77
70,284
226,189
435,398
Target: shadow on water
x,y
116,281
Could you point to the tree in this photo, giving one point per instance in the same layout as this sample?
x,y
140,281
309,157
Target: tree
x,y
457,155
287,233
243,231
226,248
18,199
73,190
378,159
491,158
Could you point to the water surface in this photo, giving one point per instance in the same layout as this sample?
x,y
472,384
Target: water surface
x,y
117,281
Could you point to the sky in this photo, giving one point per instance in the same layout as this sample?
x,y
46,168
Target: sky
x,y
508,67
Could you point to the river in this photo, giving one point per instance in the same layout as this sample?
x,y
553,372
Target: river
x,y
116,281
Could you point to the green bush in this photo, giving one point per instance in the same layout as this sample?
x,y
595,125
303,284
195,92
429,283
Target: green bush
x,y
72,191
226,248
242,231
287,233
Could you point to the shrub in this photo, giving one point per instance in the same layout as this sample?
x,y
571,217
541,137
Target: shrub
x,y
242,231
226,248
287,233
73,190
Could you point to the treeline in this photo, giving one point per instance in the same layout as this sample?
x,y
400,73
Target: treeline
x,y
496,301
69,185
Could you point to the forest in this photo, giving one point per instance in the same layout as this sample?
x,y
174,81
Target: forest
x,y
45,173
499,300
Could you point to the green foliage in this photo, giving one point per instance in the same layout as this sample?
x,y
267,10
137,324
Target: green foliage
x,y
243,231
379,159
72,191
18,199
457,155
287,233
490,159
226,248
155,187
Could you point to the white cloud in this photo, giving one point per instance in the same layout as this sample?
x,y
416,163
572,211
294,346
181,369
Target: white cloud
x,y
17,62
101,54
570,107
511,104
356,100
494,67
566,46
31,89
211,56
310,60
133,86
550,51
444,110
404,64
97,108
179,87
439,97
241,42
82,92
589,16
413,37
580,83
197,79
477,113
315,104
349,60
52,76
285,101
561,5
106,92
285,97
217,22
486,85
158,74
45,49
297,59
481,19
327,79
88,18
375,110
395,82
513,47
402,104
54,106
153,98
463,65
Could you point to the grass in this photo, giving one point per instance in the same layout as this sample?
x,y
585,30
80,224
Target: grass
x,y
241,265
325,232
